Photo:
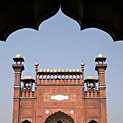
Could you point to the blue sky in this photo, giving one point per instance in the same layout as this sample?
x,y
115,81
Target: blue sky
x,y
59,44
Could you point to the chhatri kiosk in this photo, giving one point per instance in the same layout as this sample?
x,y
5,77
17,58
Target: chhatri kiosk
x,y
59,96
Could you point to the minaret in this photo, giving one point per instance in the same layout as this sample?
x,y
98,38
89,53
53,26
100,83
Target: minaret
x,y
82,68
36,70
18,68
100,68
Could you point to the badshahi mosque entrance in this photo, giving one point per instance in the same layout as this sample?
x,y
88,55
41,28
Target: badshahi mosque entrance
x,y
59,117
60,96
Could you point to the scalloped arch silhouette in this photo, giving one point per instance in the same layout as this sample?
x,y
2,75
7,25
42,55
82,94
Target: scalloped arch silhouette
x,y
59,117
101,14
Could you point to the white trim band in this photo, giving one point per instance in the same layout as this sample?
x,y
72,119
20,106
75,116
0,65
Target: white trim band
x,y
102,72
94,97
102,86
16,86
25,98
17,72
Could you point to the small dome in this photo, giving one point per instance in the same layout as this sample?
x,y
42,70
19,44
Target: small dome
x,y
18,55
82,63
51,70
66,70
74,70
55,70
27,77
70,70
63,70
91,77
100,56
40,70
44,70
36,63
59,70
48,70
77,70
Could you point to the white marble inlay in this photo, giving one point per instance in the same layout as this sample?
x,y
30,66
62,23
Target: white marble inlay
x,y
59,97
47,111
72,111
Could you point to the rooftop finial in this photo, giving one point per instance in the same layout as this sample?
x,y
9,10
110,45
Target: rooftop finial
x,y
36,63
82,63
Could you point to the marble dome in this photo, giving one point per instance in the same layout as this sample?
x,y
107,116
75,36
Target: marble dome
x,y
100,56
91,77
18,55
27,77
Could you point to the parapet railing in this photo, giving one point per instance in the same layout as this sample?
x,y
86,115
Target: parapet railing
x,y
92,93
59,77
27,93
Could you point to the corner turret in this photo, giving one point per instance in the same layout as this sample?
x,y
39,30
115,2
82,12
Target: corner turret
x,y
100,68
18,68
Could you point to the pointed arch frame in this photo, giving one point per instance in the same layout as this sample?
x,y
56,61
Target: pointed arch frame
x,y
59,116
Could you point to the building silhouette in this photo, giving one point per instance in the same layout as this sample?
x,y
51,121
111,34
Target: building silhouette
x,y
59,96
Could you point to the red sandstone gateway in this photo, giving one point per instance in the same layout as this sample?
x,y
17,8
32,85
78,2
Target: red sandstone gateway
x,y
60,96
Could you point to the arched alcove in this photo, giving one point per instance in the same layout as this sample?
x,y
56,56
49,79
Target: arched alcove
x,y
59,117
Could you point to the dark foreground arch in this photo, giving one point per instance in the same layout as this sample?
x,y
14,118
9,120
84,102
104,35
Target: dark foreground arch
x,y
59,117
26,121
101,14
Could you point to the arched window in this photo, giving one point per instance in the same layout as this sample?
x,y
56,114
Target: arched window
x,y
92,121
26,121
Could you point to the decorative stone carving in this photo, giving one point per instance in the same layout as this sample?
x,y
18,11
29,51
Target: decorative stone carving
x,y
73,97
46,97
59,97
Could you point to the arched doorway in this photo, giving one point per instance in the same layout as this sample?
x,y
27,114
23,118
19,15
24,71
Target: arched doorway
x,y
26,121
59,121
59,117
92,121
